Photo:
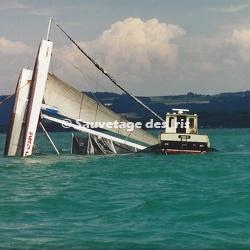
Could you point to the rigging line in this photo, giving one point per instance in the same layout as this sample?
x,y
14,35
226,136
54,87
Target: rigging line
x,y
74,66
108,75
97,79
48,137
89,77
77,68
8,97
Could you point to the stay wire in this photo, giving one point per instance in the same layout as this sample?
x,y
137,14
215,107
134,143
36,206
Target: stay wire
x,y
109,76
8,97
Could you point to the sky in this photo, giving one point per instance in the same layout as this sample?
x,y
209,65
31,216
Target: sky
x,y
152,48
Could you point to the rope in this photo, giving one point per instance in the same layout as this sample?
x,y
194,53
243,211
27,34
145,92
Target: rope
x,y
8,97
109,76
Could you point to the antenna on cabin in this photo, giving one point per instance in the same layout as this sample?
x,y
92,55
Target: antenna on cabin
x,y
47,38
181,111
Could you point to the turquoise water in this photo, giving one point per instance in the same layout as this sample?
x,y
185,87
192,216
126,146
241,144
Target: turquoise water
x,y
137,201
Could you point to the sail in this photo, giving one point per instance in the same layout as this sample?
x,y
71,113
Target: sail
x,y
76,105
94,132
36,95
14,135
94,145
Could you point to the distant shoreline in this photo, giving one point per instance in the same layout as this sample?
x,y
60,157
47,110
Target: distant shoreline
x,y
224,110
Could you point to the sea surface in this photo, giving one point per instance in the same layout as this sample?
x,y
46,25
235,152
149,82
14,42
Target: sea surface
x,y
134,201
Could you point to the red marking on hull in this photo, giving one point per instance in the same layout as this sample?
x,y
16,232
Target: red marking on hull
x,y
178,151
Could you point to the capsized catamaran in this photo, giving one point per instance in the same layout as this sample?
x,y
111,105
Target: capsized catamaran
x,y
45,91
24,118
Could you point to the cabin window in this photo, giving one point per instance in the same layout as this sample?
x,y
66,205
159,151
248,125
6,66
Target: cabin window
x,y
171,122
192,128
191,122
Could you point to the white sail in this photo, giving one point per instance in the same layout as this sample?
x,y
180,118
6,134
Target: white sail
x,y
93,132
12,147
36,95
76,105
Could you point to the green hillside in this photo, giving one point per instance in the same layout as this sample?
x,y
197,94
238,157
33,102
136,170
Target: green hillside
x,y
221,110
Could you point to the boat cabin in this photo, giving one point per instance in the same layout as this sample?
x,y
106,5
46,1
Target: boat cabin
x,y
180,122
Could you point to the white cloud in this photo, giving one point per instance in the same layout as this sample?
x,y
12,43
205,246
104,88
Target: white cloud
x,y
130,49
240,38
146,57
41,11
140,55
28,9
14,57
11,5
232,8
139,44
8,47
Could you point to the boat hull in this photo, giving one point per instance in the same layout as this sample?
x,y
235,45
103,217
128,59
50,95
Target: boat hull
x,y
177,151
183,143
36,93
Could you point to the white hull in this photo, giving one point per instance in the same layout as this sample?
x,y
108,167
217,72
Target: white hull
x,y
36,95
13,140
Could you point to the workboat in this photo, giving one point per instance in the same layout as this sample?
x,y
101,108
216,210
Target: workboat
x,y
181,134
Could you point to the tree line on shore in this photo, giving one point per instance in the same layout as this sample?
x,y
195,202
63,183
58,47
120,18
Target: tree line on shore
x,y
230,110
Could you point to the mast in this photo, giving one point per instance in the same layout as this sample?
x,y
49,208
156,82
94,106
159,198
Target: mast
x,y
109,76
50,20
